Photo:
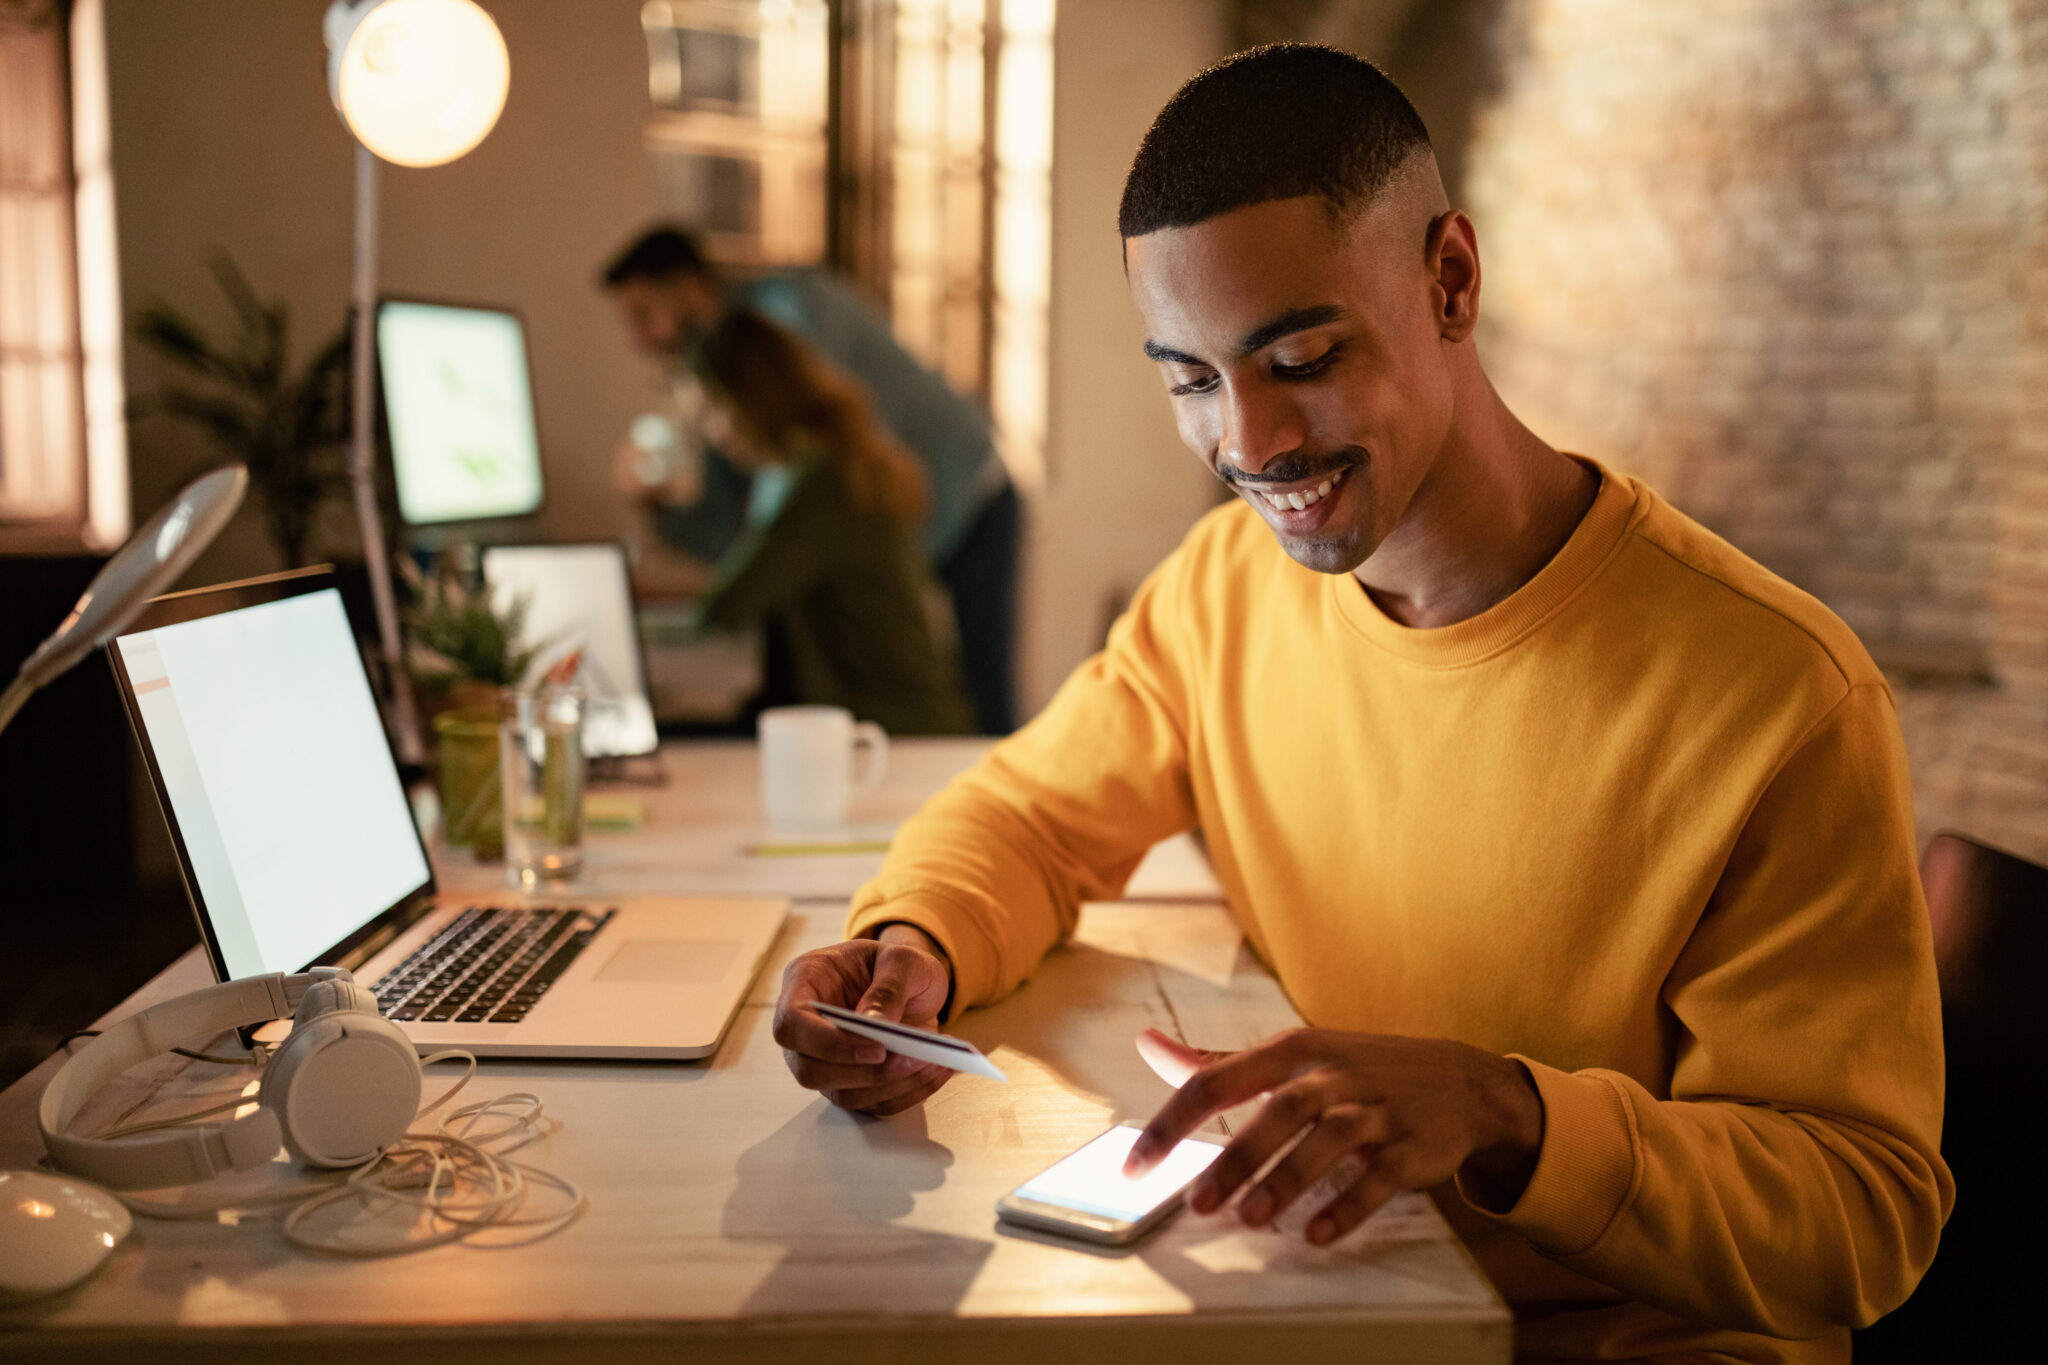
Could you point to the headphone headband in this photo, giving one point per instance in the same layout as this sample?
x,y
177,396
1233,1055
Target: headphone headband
x,y
175,1156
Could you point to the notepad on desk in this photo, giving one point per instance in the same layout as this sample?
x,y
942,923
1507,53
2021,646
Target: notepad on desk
x,y
815,848
617,812
847,841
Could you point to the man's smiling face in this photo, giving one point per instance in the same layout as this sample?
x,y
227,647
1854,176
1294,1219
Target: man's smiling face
x,y
1305,359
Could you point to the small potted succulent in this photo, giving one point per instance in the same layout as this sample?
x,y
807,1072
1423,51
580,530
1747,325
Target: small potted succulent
x,y
462,649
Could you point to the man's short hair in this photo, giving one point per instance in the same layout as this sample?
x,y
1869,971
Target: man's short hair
x,y
1272,122
659,254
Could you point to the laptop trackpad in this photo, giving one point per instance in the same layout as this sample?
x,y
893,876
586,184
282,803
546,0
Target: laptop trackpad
x,y
669,960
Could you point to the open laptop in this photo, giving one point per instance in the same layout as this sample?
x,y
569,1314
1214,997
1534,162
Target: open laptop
x,y
298,849
579,598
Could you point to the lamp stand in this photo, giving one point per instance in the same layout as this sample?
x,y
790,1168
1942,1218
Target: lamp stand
x,y
12,699
362,459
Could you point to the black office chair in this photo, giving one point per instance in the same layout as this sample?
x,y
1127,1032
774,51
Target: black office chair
x,y
1989,910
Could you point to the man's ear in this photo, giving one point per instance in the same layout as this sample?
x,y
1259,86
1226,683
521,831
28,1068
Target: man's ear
x,y
1451,253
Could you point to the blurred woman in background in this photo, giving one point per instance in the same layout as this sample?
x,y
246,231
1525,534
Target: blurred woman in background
x,y
828,564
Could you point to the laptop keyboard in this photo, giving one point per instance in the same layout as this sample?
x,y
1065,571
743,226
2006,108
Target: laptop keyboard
x,y
491,965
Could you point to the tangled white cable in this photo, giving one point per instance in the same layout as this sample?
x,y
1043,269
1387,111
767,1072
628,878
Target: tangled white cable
x,y
455,1178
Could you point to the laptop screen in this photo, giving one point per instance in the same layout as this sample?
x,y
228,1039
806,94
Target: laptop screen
x,y
578,598
459,407
276,775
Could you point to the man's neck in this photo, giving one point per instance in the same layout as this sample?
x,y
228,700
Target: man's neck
x,y
1495,507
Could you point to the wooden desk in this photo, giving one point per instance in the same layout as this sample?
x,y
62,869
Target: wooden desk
x,y
736,1217
700,823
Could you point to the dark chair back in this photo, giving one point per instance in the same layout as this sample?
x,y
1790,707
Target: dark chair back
x,y
1989,911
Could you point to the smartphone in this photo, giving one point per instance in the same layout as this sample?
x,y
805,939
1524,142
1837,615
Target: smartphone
x,y
1087,1195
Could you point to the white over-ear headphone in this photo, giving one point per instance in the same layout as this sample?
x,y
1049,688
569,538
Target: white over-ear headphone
x,y
339,1090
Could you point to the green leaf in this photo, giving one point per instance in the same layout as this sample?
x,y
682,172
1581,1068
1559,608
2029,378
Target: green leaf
x,y
286,425
458,633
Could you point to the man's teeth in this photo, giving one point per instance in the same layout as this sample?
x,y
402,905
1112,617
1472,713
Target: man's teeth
x,y
1300,501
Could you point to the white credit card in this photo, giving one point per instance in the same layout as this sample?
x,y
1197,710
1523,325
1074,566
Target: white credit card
x,y
926,1046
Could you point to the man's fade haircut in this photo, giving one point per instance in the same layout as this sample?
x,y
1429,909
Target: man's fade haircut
x,y
661,253
1272,122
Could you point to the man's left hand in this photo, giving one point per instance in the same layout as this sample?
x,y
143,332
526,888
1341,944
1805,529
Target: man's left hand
x,y
1413,1111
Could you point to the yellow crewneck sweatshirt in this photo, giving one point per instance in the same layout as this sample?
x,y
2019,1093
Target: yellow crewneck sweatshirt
x,y
1645,825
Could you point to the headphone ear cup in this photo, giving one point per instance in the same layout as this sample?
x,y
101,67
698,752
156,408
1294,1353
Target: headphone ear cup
x,y
344,1085
327,997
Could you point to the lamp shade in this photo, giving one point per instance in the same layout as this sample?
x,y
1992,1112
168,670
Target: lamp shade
x,y
151,560
419,82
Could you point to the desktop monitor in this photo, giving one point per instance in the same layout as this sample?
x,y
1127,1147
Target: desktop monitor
x,y
458,407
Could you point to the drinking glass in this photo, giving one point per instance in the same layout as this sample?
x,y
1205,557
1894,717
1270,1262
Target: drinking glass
x,y
540,746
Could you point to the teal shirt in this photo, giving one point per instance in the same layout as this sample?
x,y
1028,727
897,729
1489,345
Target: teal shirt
x,y
948,434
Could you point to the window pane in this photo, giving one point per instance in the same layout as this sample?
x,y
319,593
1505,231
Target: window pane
x,y
737,137
42,471
21,439
17,276
49,228
31,106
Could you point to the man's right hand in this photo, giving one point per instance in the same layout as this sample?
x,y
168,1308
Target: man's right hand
x,y
902,975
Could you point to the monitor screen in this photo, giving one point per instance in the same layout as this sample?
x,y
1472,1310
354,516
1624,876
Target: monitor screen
x,y
458,404
276,777
577,597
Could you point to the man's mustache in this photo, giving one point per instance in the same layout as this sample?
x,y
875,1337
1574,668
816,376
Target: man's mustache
x,y
1291,469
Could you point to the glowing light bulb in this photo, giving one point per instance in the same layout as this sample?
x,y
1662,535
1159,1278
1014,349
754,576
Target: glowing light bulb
x,y
419,82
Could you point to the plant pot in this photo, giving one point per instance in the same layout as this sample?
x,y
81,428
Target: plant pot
x,y
431,699
472,802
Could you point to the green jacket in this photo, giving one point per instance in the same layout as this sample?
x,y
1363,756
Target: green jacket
x,y
839,594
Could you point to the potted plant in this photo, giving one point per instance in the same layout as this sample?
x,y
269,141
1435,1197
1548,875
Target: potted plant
x,y
462,649
288,426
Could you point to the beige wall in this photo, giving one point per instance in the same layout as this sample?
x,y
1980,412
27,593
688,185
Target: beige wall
x,y
224,137
1123,489
1774,256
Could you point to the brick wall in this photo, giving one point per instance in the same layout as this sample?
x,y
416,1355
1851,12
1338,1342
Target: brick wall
x,y
1783,258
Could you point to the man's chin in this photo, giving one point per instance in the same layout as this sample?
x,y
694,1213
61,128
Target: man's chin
x,y
1328,549
1331,554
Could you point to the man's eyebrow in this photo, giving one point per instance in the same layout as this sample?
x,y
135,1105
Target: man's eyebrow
x,y
1287,324
1154,351
1259,338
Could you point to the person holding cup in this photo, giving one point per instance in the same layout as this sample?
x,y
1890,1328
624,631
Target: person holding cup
x,y
827,563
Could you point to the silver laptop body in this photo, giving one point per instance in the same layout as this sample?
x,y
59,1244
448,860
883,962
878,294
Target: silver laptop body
x,y
298,849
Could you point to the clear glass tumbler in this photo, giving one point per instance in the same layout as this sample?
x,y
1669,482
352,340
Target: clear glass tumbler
x,y
540,743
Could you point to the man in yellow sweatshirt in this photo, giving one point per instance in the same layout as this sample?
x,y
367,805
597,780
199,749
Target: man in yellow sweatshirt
x,y
1584,843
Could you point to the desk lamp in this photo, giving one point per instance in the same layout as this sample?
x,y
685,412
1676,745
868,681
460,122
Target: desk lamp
x,y
149,563
419,83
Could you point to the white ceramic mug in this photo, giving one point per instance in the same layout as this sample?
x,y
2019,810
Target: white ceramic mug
x,y
807,769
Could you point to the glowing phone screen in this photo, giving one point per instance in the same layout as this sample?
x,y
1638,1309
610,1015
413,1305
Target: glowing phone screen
x,y
1092,1179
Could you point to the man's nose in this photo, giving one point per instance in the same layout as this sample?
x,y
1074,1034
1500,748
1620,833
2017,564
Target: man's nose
x,y
1260,424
